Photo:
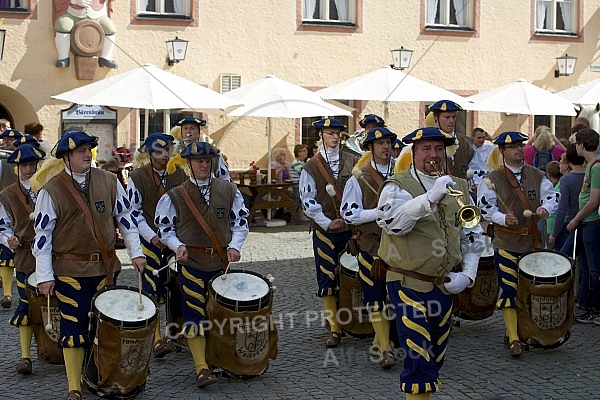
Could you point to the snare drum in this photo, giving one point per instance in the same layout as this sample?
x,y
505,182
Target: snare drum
x,y
351,299
117,365
479,302
242,337
545,298
47,342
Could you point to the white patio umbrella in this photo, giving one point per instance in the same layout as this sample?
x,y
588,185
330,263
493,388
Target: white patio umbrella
x,y
150,88
272,97
388,84
521,97
585,94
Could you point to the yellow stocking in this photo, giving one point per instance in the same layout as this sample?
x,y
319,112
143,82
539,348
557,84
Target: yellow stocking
x,y
420,396
157,335
197,346
331,309
7,274
73,365
510,320
382,331
25,334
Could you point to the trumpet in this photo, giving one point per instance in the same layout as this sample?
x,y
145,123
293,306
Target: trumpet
x,y
468,215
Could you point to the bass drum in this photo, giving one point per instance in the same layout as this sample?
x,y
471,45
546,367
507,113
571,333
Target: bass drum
x,y
545,298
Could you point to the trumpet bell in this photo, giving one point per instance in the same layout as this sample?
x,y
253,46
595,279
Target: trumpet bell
x,y
469,216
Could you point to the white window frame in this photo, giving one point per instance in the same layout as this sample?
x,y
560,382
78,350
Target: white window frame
x,y
184,6
324,11
550,7
431,7
228,82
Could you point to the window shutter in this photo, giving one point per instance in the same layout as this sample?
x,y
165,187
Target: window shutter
x,y
230,82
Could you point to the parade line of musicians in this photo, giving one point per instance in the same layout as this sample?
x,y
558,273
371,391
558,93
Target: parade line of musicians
x,y
414,211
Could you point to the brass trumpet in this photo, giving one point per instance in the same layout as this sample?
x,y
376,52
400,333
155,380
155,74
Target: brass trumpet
x,y
468,215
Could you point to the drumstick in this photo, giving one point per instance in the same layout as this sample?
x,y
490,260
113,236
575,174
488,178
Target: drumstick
x,y
226,269
49,324
574,244
140,306
157,271
492,186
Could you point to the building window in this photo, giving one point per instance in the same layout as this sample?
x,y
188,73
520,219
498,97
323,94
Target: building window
x,y
329,11
156,120
164,8
555,16
309,133
230,82
13,5
449,14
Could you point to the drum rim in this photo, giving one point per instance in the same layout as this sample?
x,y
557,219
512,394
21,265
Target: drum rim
x,y
343,268
27,285
545,278
125,324
258,301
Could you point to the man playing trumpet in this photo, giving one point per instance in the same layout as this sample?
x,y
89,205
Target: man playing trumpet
x,y
507,198
430,253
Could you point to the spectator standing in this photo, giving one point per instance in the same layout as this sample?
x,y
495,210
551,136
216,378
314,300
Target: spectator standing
x,y
542,148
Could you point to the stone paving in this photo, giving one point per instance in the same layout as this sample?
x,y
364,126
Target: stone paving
x,y
477,363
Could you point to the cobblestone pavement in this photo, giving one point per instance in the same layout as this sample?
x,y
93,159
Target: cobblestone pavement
x,y
477,364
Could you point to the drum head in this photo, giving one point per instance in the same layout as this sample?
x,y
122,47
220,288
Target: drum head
x,y
120,305
32,281
545,265
349,263
488,251
240,286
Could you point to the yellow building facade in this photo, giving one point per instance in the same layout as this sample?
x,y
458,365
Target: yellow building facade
x,y
465,46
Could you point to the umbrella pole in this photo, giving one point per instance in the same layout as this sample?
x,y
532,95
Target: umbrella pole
x,y
386,111
269,160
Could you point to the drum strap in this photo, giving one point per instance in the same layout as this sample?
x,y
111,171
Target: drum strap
x,y
533,228
375,175
21,198
438,280
106,261
200,219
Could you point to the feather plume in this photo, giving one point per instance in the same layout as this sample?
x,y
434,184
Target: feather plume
x,y
429,120
50,168
364,160
140,159
488,182
177,162
451,150
330,190
494,160
404,160
176,132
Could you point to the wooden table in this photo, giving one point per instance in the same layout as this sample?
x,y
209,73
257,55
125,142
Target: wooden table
x,y
266,196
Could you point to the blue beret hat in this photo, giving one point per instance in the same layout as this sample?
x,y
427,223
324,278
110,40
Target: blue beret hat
x,y
11,133
445,106
398,144
510,137
429,133
377,133
26,139
191,120
371,119
329,123
26,153
156,141
70,140
199,149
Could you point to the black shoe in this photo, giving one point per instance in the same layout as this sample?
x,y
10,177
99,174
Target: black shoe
x,y
586,318
6,302
103,62
62,63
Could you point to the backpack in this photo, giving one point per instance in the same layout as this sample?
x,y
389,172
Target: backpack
x,y
542,158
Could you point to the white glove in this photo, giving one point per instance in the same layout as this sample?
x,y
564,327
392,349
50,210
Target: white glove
x,y
458,282
439,189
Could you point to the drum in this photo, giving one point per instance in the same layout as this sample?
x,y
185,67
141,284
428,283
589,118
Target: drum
x,y
479,302
47,342
173,306
87,38
242,335
117,365
351,299
545,298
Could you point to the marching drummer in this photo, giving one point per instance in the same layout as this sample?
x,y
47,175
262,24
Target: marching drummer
x,y
321,186
145,187
513,198
17,202
204,221
359,208
74,240
423,244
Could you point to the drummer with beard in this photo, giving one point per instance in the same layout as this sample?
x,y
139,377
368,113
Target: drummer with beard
x,y
17,202
513,197
359,208
429,255
68,253
145,187
202,254
321,185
